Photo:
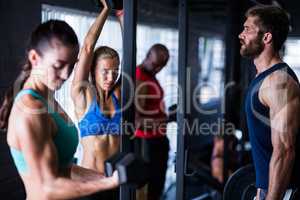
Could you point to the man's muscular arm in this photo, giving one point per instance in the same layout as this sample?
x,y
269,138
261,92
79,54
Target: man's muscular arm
x,y
280,93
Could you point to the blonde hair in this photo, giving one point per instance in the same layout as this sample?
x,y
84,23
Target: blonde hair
x,y
103,52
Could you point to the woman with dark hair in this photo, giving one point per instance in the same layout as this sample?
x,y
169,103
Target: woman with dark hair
x,y
41,138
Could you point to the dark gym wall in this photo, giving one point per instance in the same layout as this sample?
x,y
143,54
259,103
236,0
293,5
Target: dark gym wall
x,y
18,18
292,7
85,5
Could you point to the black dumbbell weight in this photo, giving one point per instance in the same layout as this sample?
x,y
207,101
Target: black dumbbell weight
x,y
133,170
110,164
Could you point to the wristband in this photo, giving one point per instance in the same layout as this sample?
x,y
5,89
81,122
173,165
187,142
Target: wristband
x,y
119,13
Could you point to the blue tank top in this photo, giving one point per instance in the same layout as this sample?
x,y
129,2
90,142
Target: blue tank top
x,y
65,139
95,122
258,122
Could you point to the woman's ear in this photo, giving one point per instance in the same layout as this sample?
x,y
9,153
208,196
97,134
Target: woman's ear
x,y
33,57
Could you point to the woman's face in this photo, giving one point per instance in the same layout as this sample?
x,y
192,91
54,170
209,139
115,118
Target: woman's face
x,y
106,73
55,64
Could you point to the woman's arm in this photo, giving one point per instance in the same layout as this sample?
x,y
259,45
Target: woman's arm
x,y
83,67
217,159
36,133
83,182
120,17
83,174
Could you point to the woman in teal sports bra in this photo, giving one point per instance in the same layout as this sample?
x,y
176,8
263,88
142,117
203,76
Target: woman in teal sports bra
x,y
40,135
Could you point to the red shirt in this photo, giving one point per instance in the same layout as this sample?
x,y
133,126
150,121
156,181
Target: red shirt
x,y
154,104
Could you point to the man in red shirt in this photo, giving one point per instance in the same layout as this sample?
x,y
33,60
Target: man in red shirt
x,y
150,117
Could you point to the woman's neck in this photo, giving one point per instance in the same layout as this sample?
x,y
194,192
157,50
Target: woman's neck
x,y
103,94
41,88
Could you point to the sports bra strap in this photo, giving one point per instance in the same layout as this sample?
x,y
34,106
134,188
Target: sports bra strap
x,y
34,94
115,101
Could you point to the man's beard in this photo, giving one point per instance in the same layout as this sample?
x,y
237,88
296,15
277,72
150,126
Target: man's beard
x,y
253,49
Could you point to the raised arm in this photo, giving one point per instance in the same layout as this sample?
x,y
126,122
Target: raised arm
x,y
83,67
40,154
120,17
281,95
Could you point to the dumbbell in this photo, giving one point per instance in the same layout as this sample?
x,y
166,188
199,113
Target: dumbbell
x,y
113,4
110,164
132,169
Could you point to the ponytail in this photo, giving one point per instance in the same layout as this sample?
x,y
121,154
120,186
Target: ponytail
x,y
10,95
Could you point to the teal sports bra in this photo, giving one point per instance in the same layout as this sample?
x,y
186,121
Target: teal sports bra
x,y
65,140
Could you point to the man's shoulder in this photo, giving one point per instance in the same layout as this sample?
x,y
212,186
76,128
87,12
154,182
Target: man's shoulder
x,y
277,85
280,77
